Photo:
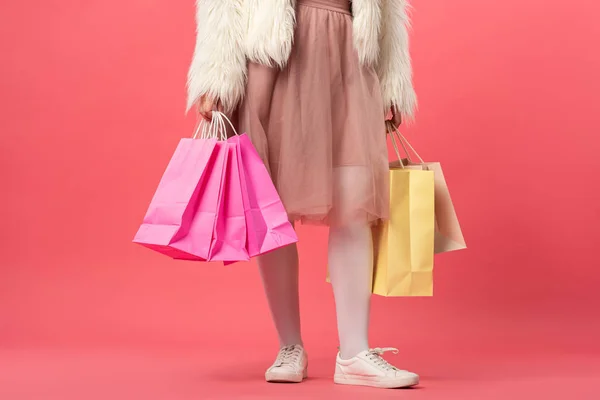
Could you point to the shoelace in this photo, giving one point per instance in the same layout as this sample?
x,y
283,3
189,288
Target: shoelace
x,y
375,356
288,355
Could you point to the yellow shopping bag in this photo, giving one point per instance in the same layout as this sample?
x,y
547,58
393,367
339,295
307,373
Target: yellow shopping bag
x,y
403,245
448,234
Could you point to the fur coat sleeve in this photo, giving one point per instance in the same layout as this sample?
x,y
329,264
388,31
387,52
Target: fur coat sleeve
x,y
394,64
218,67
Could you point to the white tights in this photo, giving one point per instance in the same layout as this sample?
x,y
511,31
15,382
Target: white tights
x,y
350,256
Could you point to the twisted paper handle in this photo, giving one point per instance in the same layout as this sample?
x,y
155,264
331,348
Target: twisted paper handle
x,y
215,128
395,134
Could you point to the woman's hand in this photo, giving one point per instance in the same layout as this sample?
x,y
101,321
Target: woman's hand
x,y
396,117
206,106
393,118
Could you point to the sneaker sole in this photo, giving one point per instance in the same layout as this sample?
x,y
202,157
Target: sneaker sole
x,y
375,382
273,377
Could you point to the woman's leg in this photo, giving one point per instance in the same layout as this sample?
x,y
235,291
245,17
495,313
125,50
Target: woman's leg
x,y
279,272
350,259
350,271
350,265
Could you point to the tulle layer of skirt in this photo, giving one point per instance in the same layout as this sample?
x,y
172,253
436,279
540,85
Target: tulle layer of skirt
x,y
318,124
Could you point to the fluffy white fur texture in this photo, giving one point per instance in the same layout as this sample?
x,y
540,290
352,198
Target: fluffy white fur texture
x,y
270,32
394,65
366,28
219,64
230,32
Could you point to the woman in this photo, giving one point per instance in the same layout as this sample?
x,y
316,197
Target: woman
x,y
311,81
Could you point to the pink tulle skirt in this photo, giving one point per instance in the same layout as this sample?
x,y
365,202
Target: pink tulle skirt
x,y
318,124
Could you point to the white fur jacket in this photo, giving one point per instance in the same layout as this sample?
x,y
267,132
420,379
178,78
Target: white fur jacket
x,y
231,32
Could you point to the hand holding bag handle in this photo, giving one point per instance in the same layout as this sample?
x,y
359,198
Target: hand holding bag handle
x,y
215,128
395,134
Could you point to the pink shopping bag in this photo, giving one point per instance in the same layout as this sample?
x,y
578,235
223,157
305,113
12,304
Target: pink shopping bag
x,y
172,209
229,235
268,227
198,242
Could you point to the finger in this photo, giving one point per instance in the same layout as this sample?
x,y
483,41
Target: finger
x,y
397,119
218,106
207,115
205,108
388,126
204,112
389,114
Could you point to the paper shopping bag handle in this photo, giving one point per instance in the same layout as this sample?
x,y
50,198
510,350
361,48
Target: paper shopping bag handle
x,y
210,129
397,151
215,129
395,133
222,116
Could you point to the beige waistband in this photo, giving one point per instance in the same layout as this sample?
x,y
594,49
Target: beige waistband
x,y
342,6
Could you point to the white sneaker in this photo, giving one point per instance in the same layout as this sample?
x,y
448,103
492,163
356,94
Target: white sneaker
x,y
290,366
370,369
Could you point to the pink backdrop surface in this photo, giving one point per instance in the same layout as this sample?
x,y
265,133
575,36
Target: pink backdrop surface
x,y
91,108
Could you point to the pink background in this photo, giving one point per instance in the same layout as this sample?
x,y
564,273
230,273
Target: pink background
x,y
91,108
